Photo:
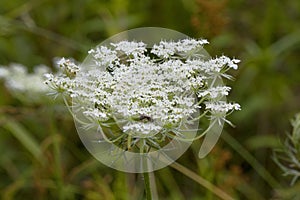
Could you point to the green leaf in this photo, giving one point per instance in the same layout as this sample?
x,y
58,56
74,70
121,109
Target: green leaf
x,y
263,141
24,137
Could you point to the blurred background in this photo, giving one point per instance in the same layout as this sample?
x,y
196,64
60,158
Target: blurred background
x,y
41,153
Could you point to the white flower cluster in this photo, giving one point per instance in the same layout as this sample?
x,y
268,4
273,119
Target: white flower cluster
x,y
63,80
222,107
25,85
184,47
69,67
147,90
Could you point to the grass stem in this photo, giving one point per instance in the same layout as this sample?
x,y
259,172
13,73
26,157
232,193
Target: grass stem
x,y
192,175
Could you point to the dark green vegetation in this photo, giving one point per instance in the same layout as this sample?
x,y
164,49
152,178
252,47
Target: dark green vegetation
x,y
41,153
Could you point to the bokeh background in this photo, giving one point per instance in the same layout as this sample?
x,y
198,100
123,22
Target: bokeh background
x,y
41,153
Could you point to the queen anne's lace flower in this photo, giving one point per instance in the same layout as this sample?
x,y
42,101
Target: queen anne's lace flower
x,y
24,85
215,92
130,48
222,107
147,92
104,56
69,67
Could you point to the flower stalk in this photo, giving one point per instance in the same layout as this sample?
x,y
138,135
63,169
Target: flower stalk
x,y
147,186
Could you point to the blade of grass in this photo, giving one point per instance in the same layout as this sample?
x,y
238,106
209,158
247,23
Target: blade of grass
x,y
85,166
23,181
286,43
251,160
24,137
58,167
50,35
57,148
167,180
192,175
9,192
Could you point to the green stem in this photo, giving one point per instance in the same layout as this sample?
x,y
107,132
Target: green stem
x,y
24,137
71,112
147,186
146,174
192,175
57,157
198,137
58,170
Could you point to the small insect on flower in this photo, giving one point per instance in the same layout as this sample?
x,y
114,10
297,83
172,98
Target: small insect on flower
x,y
145,117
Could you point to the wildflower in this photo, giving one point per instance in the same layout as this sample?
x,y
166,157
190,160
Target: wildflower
x,y
143,100
68,67
166,92
130,48
215,92
26,86
222,107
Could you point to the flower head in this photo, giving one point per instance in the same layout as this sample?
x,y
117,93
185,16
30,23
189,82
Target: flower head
x,y
148,94
26,86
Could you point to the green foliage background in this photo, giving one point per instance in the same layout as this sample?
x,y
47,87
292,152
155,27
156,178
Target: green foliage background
x,y
41,154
